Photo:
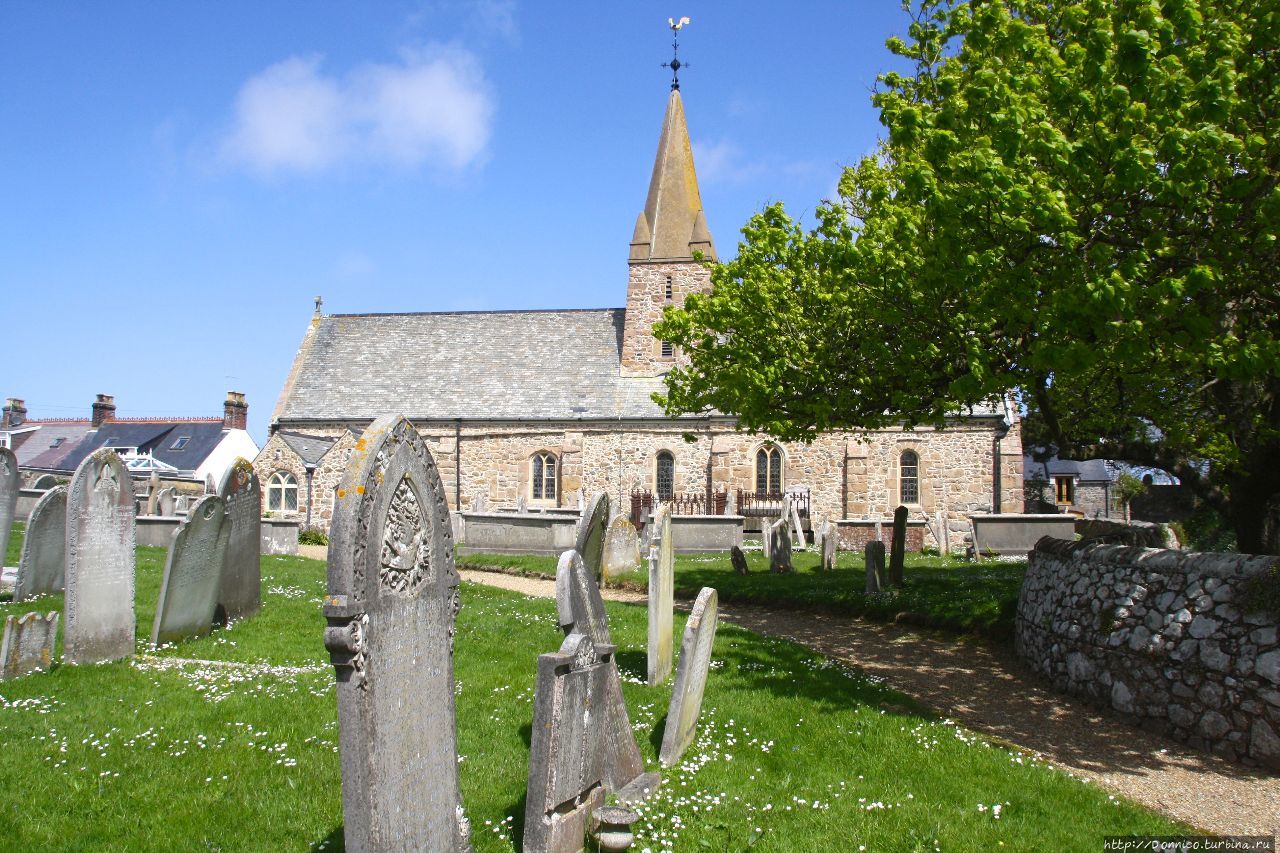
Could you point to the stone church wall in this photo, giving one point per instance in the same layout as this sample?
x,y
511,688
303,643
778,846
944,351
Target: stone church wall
x,y
1165,638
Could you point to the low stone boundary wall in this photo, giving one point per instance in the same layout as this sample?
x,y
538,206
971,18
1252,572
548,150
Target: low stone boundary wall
x,y
1018,533
1138,533
156,531
852,534
1163,637
540,533
27,500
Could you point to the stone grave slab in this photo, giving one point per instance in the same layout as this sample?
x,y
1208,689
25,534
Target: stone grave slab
x,y
780,546
166,502
661,595
41,570
390,609
897,552
589,543
621,547
100,561
565,779
691,677
829,544
873,553
28,644
10,483
581,611
192,574
240,588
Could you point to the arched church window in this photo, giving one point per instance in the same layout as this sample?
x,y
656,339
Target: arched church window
x,y
282,492
544,477
666,476
769,470
909,477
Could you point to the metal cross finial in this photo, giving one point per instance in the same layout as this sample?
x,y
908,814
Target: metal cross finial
x,y
675,64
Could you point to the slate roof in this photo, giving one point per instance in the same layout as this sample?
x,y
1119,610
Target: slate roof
x,y
1088,470
310,448
156,437
481,365
37,450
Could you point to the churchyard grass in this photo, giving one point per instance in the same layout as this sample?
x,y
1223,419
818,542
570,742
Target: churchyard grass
x,y
939,591
793,752
13,551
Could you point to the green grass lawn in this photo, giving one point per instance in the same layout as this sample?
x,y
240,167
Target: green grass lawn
x,y
942,592
794,752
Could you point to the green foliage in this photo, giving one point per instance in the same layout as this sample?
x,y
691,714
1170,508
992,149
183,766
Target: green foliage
x,y
1262,592
1205,530
1076,204
313,536
1129,487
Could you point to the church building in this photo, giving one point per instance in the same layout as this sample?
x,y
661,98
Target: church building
x,y
537,405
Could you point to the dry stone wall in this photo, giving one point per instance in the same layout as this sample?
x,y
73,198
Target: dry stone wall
x,y
1165,638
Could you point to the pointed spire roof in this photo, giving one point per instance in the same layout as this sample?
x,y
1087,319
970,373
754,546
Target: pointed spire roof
x,y
673,211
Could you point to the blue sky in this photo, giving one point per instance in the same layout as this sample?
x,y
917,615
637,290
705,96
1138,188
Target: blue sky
x,y
179,181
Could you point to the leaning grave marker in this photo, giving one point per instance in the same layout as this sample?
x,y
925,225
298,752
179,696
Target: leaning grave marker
x,y
192,574
393,597
240,589
44,549
589,543
661,595
565,779
27,645
691,677
9,485
100,561
581,611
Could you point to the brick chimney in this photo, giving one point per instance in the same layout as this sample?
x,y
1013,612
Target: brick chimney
x,y
235,411
104,409
14,413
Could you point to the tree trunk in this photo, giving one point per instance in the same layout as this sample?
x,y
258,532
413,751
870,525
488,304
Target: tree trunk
x,y
1255,512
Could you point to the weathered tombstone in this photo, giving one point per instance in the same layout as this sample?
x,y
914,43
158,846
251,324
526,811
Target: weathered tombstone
x,y
739,561
210,487
897,553
879,531
44,549
193,574
873,553
480,503
581,611
166,501
579,499
44,482
240,589
182,504
100,561
780,547
731,503
691,677
829,544
393,597
819,531
661,594
565,780
589,542
28,644
795,523
766,539
944,536
153,492
10,483
621,547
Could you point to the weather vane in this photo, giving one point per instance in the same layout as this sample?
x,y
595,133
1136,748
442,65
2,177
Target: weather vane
x,y
675,64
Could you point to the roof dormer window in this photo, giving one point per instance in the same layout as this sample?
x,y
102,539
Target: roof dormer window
x,y
180,443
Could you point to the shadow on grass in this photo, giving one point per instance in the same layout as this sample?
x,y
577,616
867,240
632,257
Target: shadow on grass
x,y
335,840
516,812
632,663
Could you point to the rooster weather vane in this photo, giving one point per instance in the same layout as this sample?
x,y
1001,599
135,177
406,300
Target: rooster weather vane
x,y
675,64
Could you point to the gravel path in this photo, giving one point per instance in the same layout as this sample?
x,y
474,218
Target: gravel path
x,y
990,691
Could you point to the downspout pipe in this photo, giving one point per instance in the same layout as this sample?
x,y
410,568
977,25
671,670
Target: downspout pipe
x,y
457,464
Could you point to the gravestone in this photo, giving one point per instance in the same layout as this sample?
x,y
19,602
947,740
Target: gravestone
x,y
621,547
210,487
45,482
100,561
27,645
944,536
182,504
44,550
829,544
873,553
739,561
897,553
10,483
780,547
766,539
153,491
795,523
393,597
819,531
480,503
240,589
166,501
589,542
521,505
193,574
691,677
565,779
731,503
661,593
581,611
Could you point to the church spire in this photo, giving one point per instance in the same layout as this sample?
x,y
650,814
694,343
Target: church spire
x,y
673,210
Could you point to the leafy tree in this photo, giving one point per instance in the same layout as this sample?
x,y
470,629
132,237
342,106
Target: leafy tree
x,y
1128,487
1077,205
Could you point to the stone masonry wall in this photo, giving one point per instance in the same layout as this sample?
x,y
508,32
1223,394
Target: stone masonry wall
x,y
1163,637
847,477
646,299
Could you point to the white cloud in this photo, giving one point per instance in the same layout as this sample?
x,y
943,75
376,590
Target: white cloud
x,y
433,107
723,162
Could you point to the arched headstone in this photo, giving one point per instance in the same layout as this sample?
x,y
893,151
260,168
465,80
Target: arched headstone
x,y
691,677
100,561
240,590
591,531
393,596
621,547
44,549
166,501
45,482
192,574
9,486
